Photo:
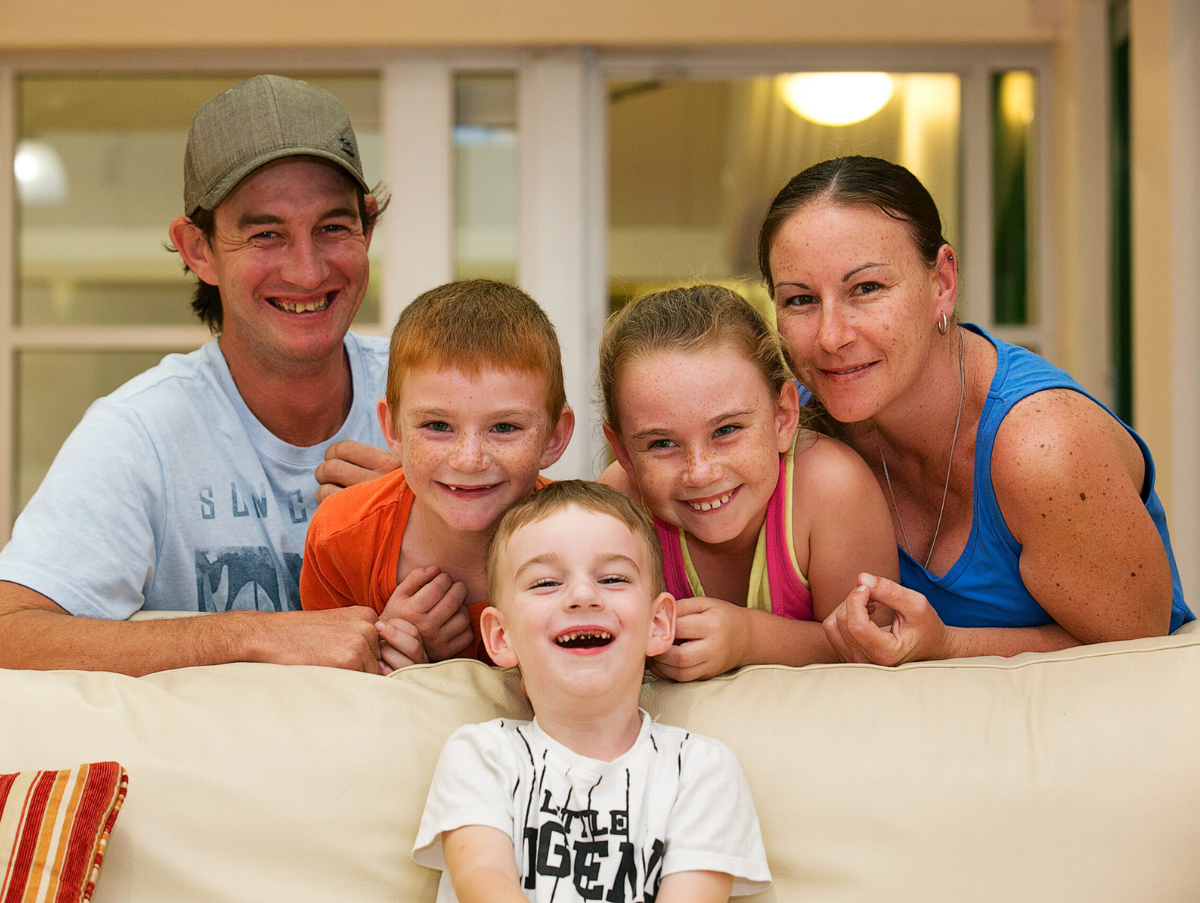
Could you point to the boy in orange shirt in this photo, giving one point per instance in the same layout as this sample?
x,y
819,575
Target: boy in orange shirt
x,y
475,408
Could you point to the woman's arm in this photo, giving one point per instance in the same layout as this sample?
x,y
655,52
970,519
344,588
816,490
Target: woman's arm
x,y
482,865
918,634
1067,477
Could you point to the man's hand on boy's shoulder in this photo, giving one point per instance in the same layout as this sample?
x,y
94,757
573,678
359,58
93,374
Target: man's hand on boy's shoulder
x,y
348,463
430,600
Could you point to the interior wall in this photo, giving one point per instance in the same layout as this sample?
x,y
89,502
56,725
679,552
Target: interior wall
x,y
1081,197
57,24
1184,53
1150,175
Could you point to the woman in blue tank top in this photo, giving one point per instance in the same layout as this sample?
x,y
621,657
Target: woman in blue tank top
x,y
1025,510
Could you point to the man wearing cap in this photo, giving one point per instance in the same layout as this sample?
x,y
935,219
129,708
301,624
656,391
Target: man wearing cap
x,y
191,486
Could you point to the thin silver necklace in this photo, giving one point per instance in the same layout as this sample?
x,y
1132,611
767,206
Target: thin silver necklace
x,y
962,386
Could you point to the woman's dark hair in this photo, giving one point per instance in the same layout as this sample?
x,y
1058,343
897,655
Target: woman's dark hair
x,y
856,181
206,299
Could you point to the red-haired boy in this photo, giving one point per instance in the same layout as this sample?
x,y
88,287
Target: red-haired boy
x,y
475,408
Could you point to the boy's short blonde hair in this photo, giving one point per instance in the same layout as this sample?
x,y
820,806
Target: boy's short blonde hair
x,y
590,497
475,324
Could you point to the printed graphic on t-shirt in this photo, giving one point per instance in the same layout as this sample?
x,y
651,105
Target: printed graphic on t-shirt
x,y
245,503
580,834
573,844
245,577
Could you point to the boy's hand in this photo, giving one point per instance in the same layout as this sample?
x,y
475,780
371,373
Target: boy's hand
x,y
710,639
399,645
348,463
433,603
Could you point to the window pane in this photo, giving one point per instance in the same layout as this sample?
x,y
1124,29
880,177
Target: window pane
x,y
485,176
694,165
1012,118
53,390
100,176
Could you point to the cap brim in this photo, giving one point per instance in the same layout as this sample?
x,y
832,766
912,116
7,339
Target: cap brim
x,y
235,175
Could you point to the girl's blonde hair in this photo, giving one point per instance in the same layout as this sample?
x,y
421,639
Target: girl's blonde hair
x,y
691,319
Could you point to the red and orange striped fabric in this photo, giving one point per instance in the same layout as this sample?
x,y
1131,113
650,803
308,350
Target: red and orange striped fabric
x,y
54,826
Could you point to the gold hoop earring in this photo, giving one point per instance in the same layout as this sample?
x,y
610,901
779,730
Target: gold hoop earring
x,y
943,325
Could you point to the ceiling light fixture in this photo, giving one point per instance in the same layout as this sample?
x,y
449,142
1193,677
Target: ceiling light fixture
x,y
836,98
41,176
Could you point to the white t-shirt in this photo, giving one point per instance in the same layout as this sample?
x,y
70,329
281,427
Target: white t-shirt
x,y
171,495
583,829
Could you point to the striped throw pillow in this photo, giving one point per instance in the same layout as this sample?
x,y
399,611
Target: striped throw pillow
x,y
54,826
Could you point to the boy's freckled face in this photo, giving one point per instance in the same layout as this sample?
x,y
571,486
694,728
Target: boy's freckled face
x,y
578,605
471,446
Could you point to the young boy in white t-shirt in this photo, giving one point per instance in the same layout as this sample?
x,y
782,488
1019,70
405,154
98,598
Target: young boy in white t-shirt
x,y
591,800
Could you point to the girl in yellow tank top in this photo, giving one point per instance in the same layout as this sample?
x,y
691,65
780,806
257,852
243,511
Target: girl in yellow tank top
x,y
764,525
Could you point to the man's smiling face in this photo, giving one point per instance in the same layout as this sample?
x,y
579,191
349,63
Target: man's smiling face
x,y
289,253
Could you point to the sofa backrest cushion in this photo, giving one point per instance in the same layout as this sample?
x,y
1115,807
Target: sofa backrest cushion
x,y
1063,777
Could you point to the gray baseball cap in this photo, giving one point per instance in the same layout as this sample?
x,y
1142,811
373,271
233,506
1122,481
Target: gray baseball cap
x,y
259,120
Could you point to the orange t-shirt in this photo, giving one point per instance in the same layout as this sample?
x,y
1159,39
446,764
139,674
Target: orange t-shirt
x,y
352,550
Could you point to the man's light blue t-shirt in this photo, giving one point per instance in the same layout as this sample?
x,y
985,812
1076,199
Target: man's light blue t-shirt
x,y
171,495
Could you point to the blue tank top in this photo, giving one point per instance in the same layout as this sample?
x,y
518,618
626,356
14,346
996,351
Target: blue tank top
x,y
984,588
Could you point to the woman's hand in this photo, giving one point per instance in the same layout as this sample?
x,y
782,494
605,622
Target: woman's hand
x,y
915,634
711,638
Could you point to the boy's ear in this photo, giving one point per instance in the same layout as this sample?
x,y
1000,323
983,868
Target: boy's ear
x,y
787,414
662,625
559,439
388,427
495,637
620,453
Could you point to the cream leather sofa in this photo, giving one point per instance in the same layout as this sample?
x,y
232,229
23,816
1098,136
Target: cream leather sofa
x,y
1061,777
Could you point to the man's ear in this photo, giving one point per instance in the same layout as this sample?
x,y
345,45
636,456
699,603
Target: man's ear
x,y
372,207
388,427
787,414
495,637
559,439
620,453
662,625
193,247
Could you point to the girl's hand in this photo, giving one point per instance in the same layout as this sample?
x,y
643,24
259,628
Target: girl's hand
x,y
915,634
711,638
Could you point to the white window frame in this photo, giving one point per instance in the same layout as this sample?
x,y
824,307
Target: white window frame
x,y
562,176
974,66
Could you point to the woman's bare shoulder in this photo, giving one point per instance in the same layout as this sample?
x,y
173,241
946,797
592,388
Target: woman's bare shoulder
x,y
1060,442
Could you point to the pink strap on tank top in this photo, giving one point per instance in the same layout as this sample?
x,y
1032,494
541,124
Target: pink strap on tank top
x,y
790,598
674,574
